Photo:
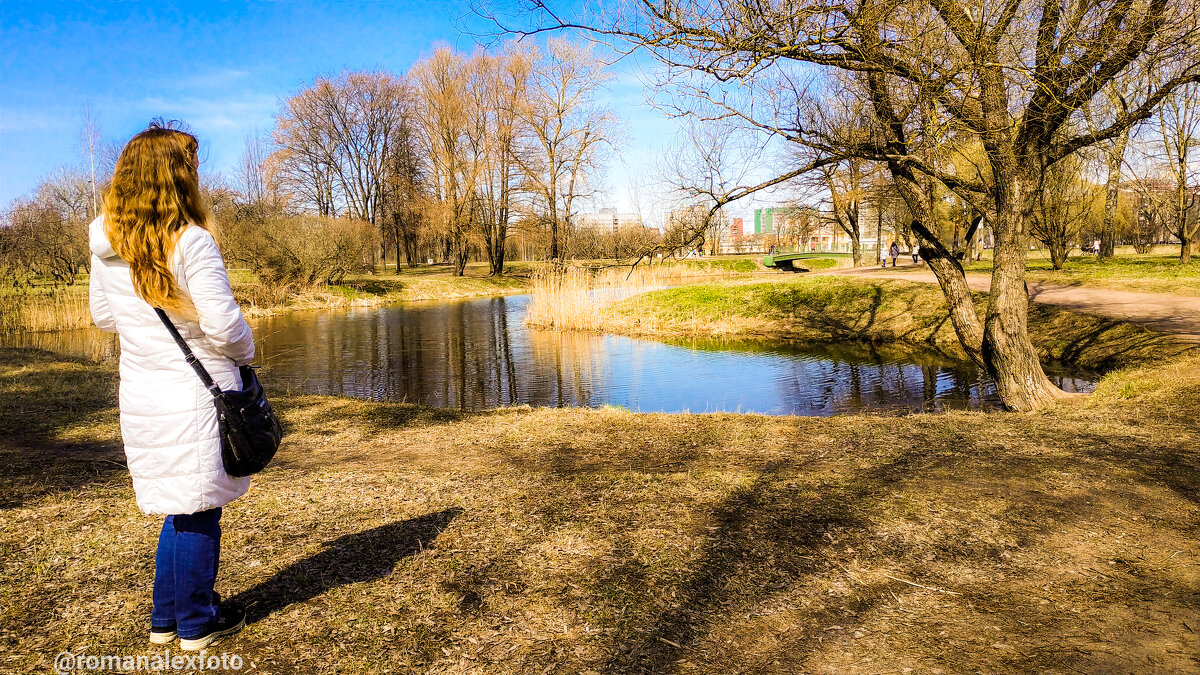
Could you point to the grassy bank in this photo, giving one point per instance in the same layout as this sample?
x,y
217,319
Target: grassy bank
x,y
575,297
392,537
1155,272
823,308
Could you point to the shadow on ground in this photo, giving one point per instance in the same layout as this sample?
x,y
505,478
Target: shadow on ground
x,y
44,395
354,558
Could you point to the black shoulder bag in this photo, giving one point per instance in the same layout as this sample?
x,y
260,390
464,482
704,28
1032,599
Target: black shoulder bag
x,y
250,431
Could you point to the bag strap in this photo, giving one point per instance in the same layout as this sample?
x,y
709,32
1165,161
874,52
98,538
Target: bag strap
x,y
190,357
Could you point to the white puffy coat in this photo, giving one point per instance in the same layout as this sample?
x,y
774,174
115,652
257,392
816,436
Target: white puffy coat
x,y
168,420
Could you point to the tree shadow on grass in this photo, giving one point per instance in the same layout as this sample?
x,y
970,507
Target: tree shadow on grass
x,y
1096,343
43,395
353,558
772,519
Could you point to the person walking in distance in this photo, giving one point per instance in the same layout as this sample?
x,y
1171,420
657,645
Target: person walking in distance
x,y
916,253
883,254
151,247
894,252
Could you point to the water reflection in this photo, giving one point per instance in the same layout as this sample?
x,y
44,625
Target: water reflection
x,y
478,354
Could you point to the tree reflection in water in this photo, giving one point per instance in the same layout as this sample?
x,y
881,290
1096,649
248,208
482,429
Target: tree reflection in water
x,y
477,354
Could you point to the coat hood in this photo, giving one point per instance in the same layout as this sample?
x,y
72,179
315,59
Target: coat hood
x,y
98,240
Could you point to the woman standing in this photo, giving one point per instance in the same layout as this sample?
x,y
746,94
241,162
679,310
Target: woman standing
x,y
151,248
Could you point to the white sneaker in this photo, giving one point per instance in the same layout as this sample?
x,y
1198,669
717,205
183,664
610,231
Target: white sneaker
x,y
162,636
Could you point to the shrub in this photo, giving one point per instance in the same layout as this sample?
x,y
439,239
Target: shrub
x,y
303,250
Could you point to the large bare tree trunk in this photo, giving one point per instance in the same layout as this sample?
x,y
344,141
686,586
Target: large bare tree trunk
x,y
553,236
953,282
1008,352
1183,204
946,268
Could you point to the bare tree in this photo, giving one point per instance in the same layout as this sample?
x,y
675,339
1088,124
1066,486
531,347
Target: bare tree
x,y
569,126
1066,204
405,200
441,81
1111,104
1179,127
498,89
46,234
845,185
251,177
333,142
1009,74
91,136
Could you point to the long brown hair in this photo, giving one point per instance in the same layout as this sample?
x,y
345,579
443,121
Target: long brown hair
x,y
154,196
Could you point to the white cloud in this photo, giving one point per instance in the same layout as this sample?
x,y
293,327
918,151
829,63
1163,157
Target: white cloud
x,y
17,121
206,115
222,77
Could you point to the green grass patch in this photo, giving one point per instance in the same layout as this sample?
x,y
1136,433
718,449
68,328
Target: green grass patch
x,y
1149,273
739,266
817,264
823,308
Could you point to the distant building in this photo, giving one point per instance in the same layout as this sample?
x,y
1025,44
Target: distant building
x,y
781,220
735,230
607,220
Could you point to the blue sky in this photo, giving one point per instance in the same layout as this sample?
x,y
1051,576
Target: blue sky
x,y
223,68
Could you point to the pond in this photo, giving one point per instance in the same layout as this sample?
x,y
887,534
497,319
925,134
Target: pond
x,y
477,354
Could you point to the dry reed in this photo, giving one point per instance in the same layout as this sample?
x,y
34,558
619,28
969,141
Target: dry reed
x,y
575,297
42,310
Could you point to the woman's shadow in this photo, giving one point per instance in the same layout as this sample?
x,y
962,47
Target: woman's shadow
x,y
362,556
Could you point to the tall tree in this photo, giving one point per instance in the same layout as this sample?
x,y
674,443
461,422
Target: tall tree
x,y
1179,127
91,137
498,88
441,82
404,198
845,184
1065,206
333,141
1111,103
569,125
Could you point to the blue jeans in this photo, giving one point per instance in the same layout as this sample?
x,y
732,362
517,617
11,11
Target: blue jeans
x,y
185,569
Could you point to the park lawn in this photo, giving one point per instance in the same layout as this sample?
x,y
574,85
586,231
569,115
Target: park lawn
x,y
900,314
389,537
743,265
1147,273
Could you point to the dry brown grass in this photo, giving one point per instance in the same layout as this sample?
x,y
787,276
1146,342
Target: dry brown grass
x,y
426,283
44,308
392,538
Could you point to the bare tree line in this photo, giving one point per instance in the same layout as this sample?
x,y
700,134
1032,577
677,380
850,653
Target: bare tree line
x,y
445,160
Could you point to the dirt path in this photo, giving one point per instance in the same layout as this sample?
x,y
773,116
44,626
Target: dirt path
x,y
1173,314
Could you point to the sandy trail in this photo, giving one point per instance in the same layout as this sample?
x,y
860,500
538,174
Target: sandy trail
x,y
1163,312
